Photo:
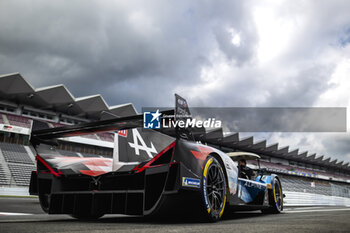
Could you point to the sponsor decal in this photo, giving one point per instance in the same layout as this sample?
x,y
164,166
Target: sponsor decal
x,y
253,185
301,174
142,146
8,127
205,183
11,128
123,133
205,194
191,182
14,129
151,120
182,102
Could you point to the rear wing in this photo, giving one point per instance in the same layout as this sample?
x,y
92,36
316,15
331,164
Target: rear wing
x,y
41,133
132,144
48,135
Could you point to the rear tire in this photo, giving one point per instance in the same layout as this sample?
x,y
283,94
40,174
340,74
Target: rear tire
x,y
213,189
275,198
44,201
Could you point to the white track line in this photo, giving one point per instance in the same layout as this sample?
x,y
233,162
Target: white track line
x,y
13,214
305,208
316,210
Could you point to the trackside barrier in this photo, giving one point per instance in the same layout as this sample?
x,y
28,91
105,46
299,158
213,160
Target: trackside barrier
x,y
311,199
14,191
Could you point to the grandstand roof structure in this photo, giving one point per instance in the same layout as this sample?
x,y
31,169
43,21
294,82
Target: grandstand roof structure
x,y
233,141
14,88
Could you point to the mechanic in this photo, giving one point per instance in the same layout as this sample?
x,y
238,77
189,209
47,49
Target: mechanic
x,y
244,171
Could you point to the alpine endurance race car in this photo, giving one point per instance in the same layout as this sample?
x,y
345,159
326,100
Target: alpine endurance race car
x,y
153,172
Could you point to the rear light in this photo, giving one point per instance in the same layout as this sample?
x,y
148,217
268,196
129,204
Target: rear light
x,y
164,157
43,167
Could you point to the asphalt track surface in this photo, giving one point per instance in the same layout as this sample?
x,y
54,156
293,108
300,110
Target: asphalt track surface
x,y
25,215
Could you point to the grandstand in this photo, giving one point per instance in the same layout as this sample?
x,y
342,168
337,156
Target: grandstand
x,y
21,103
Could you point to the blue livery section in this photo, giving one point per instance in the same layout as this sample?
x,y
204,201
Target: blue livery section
x,y
248,190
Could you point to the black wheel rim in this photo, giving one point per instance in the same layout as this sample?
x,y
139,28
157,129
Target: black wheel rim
x,y
215,188
278,195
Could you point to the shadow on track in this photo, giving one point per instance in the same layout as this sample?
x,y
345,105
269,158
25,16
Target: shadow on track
x,y
172,219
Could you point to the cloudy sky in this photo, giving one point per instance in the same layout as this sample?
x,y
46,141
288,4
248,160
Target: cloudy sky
x,y
214,53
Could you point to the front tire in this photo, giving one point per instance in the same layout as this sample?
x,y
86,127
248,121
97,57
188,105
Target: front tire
x,y
213,189
275,198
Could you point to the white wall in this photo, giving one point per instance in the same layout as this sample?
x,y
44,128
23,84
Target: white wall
x,y
310,199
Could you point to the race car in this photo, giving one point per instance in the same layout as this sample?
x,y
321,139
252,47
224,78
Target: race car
x,y
154,172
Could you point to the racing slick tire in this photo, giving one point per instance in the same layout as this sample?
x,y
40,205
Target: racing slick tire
x,y
275,198
44,200
213,190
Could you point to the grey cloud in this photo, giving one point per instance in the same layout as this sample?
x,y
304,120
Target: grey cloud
x,y
239,54
338,146
149,47
303,89
320,24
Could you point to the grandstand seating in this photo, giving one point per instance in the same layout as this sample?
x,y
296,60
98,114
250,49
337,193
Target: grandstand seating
x,y
19,163
297,184
15,153
1,119
279,168
340,190
18,121
68,153
4,180
21,173
106,137
306,185
91,136
33,150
